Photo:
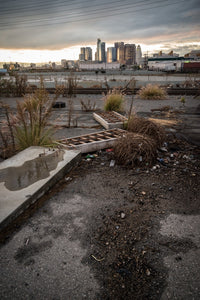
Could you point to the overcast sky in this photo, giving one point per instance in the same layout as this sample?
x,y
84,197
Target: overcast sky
x,y
58,24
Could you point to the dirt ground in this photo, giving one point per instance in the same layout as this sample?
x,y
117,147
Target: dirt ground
x,y
127,255
119,228
111,232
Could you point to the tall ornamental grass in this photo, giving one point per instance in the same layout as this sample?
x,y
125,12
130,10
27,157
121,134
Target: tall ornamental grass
x,y
32,120
152,92
114,101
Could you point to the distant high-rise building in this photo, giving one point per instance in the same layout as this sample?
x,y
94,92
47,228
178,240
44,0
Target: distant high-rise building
x,y
98,49
118,44
101,51
111,54
130,54
81,57
138,55
82,54
120,54
96,57
88,53
83,51
64,63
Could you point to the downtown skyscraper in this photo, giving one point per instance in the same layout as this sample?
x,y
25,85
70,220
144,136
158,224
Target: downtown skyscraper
x,y
101,51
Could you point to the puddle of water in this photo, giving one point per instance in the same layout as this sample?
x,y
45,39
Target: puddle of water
x,y
17,178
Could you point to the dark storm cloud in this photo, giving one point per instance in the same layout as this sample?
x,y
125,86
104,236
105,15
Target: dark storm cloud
x,y
51,24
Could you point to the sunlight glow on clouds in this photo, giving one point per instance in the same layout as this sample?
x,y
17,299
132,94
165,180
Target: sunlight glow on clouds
x,y
37,56
72,53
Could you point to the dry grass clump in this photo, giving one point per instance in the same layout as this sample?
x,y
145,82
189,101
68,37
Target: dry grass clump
x,y
114,101
135,150
143,126
152,92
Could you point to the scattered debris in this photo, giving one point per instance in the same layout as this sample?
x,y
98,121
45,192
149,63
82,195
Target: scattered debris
x,y
112,163
122,215
128,150
97,258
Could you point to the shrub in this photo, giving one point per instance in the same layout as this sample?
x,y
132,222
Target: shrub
x,y
7,145
114,101
143,126
16,88
152,92
182,100
31,120
135,150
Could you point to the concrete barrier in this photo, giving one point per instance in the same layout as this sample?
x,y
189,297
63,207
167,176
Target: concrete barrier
x,y
25,177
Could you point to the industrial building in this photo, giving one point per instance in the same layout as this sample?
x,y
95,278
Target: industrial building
x,y
176,64
99,66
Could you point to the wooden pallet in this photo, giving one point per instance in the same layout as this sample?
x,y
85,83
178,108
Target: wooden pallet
x,y
93,141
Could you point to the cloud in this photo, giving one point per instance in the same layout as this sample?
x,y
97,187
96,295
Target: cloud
x,y
57,26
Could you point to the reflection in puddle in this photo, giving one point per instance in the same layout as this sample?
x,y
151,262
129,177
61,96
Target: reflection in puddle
x,y
17,178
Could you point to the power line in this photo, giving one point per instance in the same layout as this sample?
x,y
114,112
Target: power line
x,y
45,5
98,16
37,5
124,6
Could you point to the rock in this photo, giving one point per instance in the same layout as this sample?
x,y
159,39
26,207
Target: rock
x,y
122,215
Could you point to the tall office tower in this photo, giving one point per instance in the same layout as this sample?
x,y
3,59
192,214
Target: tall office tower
x,y
96,58
138,55
81,57
83,51
120,54
130,54
88,53
82,54
111,54
64,63
98,49
118,44
103,52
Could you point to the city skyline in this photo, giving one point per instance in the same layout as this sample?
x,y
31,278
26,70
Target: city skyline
x,y
40,31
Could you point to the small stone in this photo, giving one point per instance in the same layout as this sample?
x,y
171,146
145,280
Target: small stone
x,y
123,215
170,188
143,193
68,178
148,272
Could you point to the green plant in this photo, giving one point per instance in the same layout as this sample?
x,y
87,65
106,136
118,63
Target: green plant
x,y
7,87
114,101
152,92
8,147
17,87
32,120
183,100
87,105
72,84
20,85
